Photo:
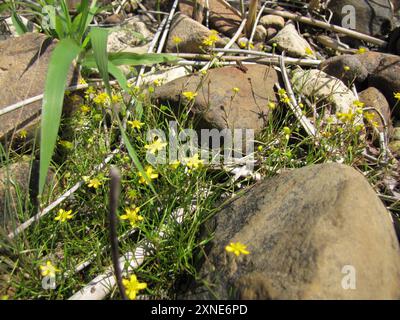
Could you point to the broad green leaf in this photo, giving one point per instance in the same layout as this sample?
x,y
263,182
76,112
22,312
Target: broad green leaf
x,y
119,75
63,55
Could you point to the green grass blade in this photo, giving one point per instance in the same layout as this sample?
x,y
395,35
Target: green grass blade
x,y
99,43
18,24
63,55
98,38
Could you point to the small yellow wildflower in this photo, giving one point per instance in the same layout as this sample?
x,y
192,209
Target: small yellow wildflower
x,y
345,117
235,90
346,68
132,215
242,44
370,116
194,162
157,82
85,108
94,183
260,148
359,104
149,172
64,215
48,269
189,95
361,50
237,248
101,99
397,96
135,124
133,286
211,39
116,98
156,146
271,105
309,52
176,40
23,133
175,164
66,144
82,81
287,131
89,92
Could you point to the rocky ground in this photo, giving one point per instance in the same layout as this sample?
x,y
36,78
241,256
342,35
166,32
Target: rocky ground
x,y
323,100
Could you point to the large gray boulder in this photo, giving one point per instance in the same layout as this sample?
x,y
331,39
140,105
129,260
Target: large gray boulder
x,y
319,232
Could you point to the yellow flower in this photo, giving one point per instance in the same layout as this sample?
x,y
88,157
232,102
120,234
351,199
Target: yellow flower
x,y
194,162
157,82
346,68
89,91
359,104
48,269
397,95
175,164
116,98
189,95
23,133
271,105
94,183
133,286
63,215
282,92
85,108
156,146
345,117
309,52
235,90
66,144
260,148
361,50
101,99
242,44
287,131
132,215
135,124
237,248
82,81
211,39
370,116
149,172
176,40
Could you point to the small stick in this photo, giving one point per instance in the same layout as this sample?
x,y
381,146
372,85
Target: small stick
x,y
166,30
310,129
115,186
327,26
253,31
227,46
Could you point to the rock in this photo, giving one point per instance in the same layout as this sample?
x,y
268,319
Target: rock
x,y
186,8
191,35
271,32
18,182
137,32
396,133
24,74
114,19
336,67
373,98
224,18
394,147
260,33
289,40
271,20
386,78
217,106
308,231
316,84
371,17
